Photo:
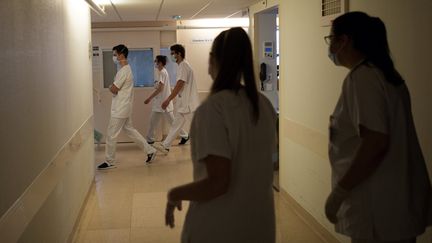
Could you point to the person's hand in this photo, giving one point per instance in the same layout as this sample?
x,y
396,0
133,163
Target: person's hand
x,y
165,104
113,89
169,212
334,202
147,101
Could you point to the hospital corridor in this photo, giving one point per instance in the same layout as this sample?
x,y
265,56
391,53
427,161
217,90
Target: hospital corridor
x,y
127,204
216,121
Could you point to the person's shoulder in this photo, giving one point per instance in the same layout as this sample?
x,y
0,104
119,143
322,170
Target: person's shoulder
x,y
224,97
263,99
185,64
266,104
125,69
164,72
366,73
218,101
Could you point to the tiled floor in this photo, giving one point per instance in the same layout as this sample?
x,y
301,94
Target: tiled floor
x,y
127,203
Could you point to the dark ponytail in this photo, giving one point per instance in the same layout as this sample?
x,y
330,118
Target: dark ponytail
x,y
369,36
232,52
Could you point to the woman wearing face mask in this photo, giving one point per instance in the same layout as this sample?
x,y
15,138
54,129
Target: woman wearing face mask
x,y
233,138
162,91
381,189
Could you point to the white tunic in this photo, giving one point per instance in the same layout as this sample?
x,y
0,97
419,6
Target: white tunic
x,y
121,106
393,203
188,99
223,126
162,78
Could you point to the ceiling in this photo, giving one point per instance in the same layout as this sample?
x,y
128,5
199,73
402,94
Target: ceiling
x,y
163,10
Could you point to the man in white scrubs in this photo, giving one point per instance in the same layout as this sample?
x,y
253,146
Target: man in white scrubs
x,y
187,98
121,111
161,93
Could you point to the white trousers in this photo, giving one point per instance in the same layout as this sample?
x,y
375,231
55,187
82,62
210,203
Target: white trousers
x,y
154,122
114,127
176,127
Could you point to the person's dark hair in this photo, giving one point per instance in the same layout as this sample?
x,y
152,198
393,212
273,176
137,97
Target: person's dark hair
x,y
232,53
177,48
161,59
121,49
369,36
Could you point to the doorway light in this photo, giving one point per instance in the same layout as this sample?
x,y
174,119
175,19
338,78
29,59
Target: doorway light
x,y
96,7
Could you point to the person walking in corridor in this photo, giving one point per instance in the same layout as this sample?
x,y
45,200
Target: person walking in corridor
x,y
121,111
381,189
162,91
186,102
233,139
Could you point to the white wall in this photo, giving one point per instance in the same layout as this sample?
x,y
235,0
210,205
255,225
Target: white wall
x,y
46,101
197,37
197,53
310,85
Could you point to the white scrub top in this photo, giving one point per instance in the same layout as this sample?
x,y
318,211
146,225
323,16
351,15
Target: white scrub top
x,y
163,78
223,126
393,203
187,100
121,106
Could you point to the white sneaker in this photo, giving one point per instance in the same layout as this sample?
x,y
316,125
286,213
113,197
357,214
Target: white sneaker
x,y
161,148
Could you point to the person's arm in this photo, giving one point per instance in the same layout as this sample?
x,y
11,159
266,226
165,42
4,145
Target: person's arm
x,y
178,87
119,80
156,92
114,89
368,157
216,184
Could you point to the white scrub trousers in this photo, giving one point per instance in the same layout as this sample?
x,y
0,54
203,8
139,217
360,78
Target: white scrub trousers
x,y
176,127
154,121
114,127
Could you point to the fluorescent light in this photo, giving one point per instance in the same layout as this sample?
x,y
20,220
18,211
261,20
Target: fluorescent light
x,y
214,23
98,9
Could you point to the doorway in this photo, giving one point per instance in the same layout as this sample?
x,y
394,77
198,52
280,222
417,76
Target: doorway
x,y
267,54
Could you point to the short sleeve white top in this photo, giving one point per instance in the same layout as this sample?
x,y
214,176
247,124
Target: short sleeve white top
x,y
162,78
121,106
187,100
223,126
393,203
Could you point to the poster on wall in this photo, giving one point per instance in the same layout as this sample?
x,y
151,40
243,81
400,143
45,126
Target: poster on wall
x,y
198,40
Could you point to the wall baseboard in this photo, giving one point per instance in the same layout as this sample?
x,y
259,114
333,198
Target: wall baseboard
x,y
75,229
323,233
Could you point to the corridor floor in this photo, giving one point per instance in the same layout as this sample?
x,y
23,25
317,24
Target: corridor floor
x,y
127,204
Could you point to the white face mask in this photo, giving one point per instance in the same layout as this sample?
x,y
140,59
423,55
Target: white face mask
x,y
115,60
173,58
333,57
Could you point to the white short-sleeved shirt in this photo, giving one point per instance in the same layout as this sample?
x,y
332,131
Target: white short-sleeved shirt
x,y
121,106
162,78
393,203
222,126
187,100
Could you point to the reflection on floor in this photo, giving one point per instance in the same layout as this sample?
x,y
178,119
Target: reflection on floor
x,y
126,204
